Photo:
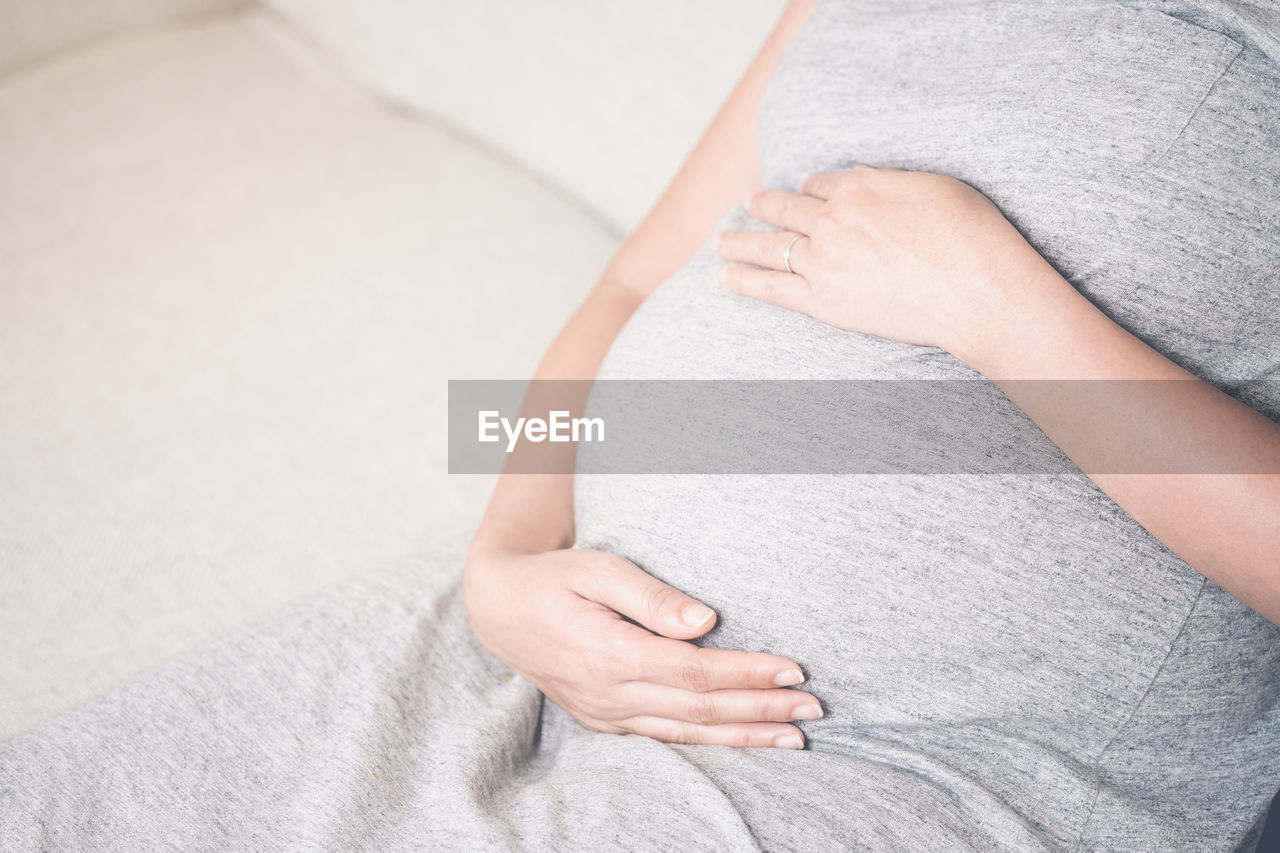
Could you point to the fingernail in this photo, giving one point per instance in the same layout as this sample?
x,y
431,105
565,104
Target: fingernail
x,y
789,742
696,615
807,712
789,678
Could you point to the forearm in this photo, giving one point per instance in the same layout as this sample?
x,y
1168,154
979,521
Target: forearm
x,y
926,259
1226,524
533,513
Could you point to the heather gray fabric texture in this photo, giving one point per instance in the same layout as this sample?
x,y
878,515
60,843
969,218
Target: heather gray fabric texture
x,y
1007,663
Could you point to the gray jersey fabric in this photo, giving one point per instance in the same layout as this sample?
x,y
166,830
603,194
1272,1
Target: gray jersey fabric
x,y
1007,663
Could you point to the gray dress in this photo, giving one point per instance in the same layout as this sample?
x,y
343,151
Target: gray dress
x,y
1007,662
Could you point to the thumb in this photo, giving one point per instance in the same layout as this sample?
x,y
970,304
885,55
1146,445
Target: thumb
x,y
621,585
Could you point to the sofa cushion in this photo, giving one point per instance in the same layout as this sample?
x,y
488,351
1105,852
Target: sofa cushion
x,y
232,289
606,98
35,30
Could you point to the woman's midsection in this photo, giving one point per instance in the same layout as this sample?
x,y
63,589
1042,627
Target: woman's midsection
x,y
913,601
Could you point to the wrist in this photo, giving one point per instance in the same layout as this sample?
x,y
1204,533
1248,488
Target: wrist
x,y
504,533
486,585
486,553
1025,307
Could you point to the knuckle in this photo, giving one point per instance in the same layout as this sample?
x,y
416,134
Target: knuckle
x,y
816,252
597,725
684,733
610,568
702,710
590,722
597,706
850,185
657,598
598,666
743,738
693,674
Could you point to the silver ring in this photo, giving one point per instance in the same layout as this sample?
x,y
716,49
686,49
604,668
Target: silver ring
x,y
786,253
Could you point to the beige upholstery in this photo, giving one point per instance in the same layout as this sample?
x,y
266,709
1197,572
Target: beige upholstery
x,y
232,290
241,251
603,97
36,30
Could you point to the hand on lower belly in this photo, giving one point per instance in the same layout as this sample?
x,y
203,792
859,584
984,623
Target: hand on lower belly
x,y
561,620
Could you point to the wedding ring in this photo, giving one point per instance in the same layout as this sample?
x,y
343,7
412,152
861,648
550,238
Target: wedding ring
x,y
786,253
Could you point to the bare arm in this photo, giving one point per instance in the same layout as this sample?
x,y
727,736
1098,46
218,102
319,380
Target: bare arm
x,y
554,613
535,513
1225,525
926,259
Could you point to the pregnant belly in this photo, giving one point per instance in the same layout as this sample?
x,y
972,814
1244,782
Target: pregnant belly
x,y
910,602
1028,605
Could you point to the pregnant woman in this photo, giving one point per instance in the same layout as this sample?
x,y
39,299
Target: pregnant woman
x,y
1065,191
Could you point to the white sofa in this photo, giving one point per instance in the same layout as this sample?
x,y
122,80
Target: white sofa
x,y
243,247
